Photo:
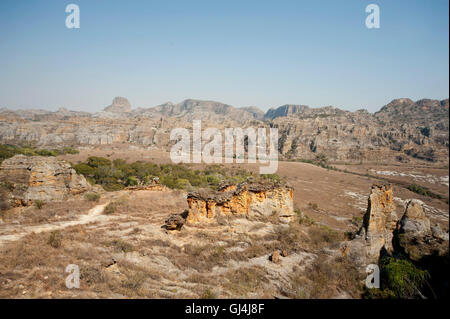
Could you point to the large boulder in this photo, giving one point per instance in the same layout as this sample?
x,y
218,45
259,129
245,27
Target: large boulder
x,y
414,220
33,178
414,235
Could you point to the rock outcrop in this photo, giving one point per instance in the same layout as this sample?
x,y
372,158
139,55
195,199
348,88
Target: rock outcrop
x,y
414,235
244,199
119,105
414,221
383,233
400,131
32,178
174,222
379,220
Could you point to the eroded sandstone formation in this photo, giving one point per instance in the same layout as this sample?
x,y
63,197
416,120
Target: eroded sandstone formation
x,y
380,220
414,235
383,232
119,105
32,178
400,131
244,199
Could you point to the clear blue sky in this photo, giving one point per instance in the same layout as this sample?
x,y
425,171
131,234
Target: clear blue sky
x,y
243,52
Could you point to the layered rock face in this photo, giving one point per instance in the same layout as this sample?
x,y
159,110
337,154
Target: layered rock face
x,y
380,220
383,233
32,178
245,199
400,131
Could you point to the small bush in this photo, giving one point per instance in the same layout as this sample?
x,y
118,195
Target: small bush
x,y
55,239
70,150
111,208
208,294
39,203
7,185
122,246
303,219
356,220
402,278
92,197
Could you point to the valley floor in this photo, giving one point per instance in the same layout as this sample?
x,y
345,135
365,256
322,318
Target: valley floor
x,y
125,253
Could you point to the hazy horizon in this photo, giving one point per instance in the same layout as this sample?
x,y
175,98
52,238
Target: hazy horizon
x,y
252,53
134,107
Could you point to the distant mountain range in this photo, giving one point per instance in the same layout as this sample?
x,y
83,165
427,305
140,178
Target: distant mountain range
x,y
401,130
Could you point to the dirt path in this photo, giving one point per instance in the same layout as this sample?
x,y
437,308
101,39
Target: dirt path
x,y
93,215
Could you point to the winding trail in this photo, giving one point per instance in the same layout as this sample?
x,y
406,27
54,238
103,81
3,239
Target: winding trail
x,y
93,215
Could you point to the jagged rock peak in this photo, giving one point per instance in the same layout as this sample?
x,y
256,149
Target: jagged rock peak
x,y
119,105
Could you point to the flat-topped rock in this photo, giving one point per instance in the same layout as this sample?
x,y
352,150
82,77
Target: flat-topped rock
x,y
251,199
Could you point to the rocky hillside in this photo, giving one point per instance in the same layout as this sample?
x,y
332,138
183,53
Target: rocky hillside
x,y
26,179
400,131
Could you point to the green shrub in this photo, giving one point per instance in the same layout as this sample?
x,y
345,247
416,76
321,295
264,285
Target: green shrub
x,y
92,197
401,277
131,181
110,208
70,150
208,294
55,239
84,169
423,191
39,203
95,161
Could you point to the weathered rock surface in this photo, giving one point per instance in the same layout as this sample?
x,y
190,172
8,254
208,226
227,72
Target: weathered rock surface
x,y
275,257
415,237
119,105
33,178
379,221
414,221
174,222
400,131
383,233
245,199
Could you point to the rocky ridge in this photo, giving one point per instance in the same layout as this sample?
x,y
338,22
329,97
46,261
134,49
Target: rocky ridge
x,y
401,131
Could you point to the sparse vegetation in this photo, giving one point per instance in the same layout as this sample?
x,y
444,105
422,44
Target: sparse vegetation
x,y
208,294
116,175
7,151
122,246
55,239
423,191
39,203
323,235
400,278
357,220
304,219
92,197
